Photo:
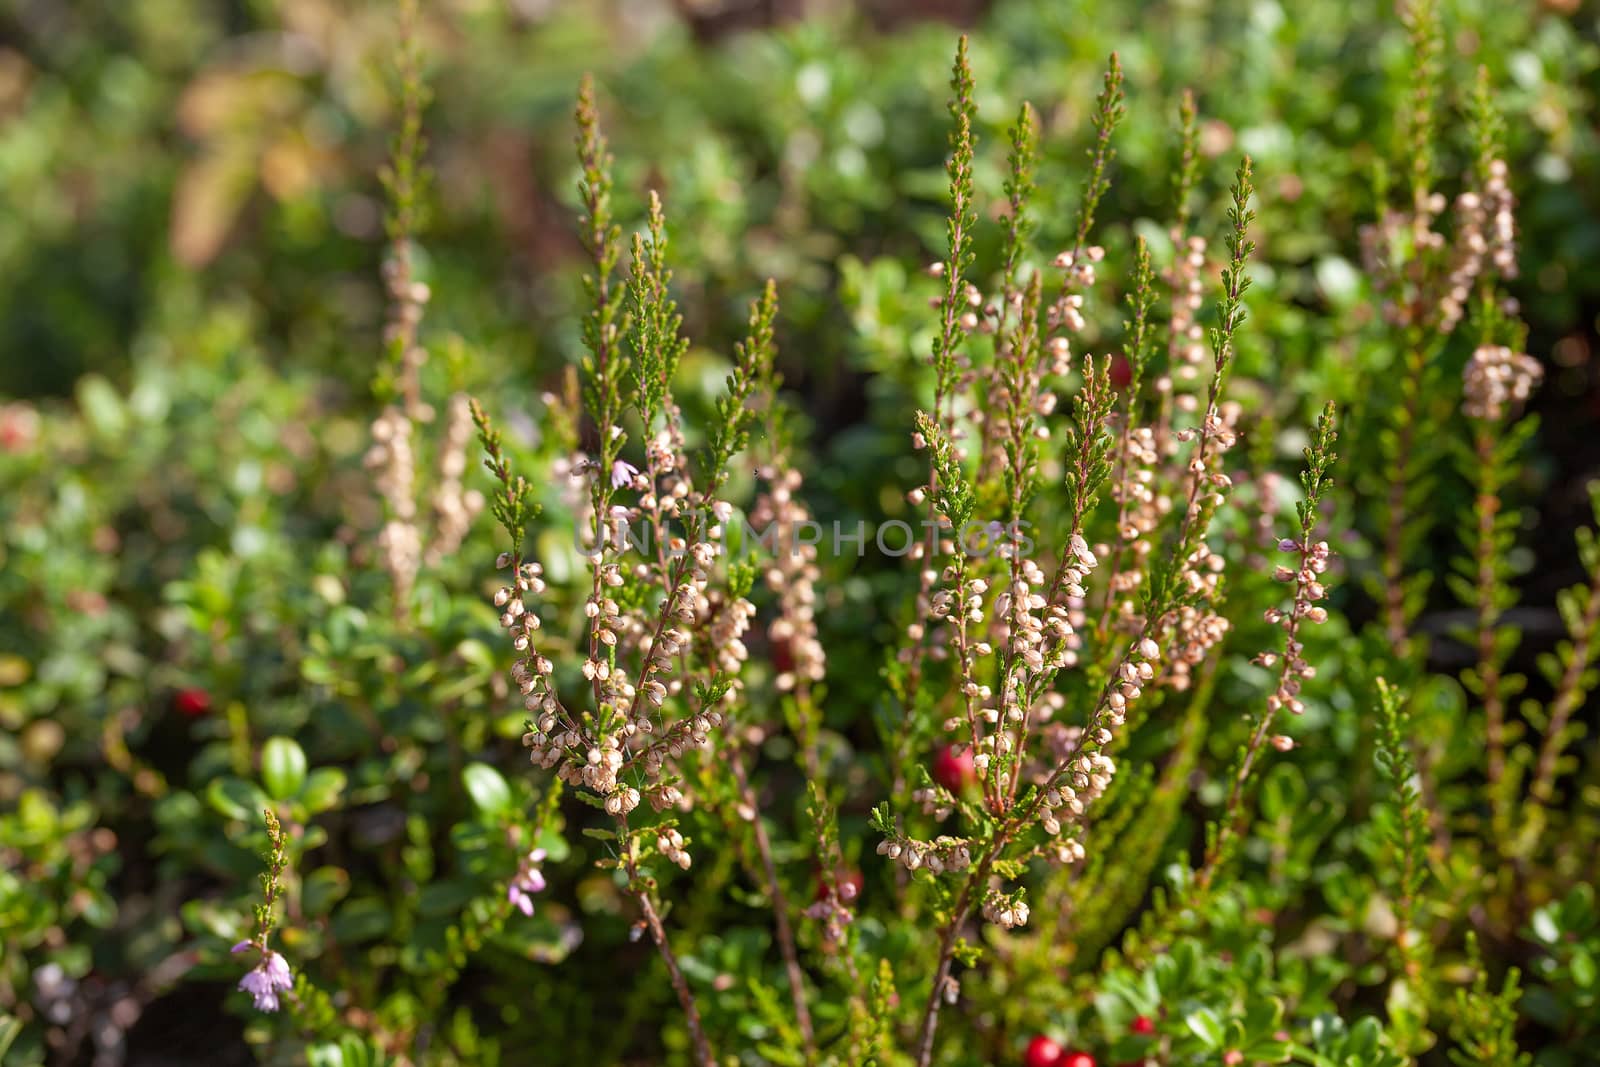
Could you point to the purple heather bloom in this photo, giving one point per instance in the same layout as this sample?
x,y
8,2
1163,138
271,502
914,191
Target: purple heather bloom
x,y
622,474
527,881
258,985
266,979
242,946
523,901
278,972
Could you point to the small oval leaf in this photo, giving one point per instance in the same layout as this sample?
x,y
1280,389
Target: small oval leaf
x,y
283,767
489,791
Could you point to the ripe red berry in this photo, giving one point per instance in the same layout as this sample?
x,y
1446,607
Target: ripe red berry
x,y
1121,371
1143,1024
848,884
954,770
1075,1058
192,702
1042,1052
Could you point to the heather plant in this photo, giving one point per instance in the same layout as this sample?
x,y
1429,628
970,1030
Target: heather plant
x,y
1041,714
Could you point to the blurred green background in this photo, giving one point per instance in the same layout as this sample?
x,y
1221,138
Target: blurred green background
x,y
161,157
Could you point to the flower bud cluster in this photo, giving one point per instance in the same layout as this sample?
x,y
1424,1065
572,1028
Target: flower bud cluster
x,y
671,845
1196,629
596,759
1138,667
961,604
1090,775
792,576
939,855
1005,910
1309,590
1496,377
1485,236
393,464
1065,612
1020,604
1187,350
454,506
1060,798
831,912
1080,269
407,300
729,622
1395,251
934,800
1067,851
1138,505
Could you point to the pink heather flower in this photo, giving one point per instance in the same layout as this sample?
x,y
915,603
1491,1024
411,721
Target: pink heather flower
x,y
527,881
278,972
266,979
260,988
622,474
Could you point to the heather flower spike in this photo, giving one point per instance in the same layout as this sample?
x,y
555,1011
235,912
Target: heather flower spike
x,y
663,647
271,976
418,509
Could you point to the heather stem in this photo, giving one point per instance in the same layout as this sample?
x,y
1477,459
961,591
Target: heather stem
x,y
1396,624
652,918
1486,505
780,911
947,944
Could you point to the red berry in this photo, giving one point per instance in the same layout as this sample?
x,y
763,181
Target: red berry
x,y
1143,1025
954,770
1042,1052
192,702
848,884
1121,371
1075,1058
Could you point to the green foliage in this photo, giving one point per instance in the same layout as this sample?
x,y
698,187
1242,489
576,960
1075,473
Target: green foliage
x,y
963,219
752,376
1486,1021
511,504
953,495
1108,112
1405,831
657,345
